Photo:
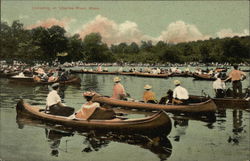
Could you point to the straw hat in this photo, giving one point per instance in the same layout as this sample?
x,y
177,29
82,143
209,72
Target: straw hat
x,y
88,93
177,82
117,79
147,87
55,85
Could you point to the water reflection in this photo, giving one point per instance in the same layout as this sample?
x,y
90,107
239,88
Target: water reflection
x,y
238,128
54,138
96,140
160,145
181,126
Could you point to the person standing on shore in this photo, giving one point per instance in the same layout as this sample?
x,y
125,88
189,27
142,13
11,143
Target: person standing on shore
x,y
236,76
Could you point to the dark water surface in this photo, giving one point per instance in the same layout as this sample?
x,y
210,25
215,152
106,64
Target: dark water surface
x,y
225,137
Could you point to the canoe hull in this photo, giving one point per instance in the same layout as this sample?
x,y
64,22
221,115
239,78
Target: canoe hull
x,y
155,124
207,106
231,103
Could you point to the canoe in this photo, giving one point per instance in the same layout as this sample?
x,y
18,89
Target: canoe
x,y
158,144
234,103
181,74
157,123
203,77
205,106
23,79
228,102
7,75
92,72
72,80
151,75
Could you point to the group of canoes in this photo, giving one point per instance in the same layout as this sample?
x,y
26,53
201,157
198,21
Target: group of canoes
x,y
157,73
156,123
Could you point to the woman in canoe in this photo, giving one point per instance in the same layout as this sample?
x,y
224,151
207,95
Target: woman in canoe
x,y
93,110
118,89
148,95
87,108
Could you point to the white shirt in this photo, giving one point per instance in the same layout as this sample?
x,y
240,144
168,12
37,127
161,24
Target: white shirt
x,y
52,98
180,93
95,104
218,84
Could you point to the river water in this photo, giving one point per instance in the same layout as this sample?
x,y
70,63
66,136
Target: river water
x,y
226,137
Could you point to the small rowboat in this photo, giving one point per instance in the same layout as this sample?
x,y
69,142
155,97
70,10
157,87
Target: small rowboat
x,y
157,123
207,105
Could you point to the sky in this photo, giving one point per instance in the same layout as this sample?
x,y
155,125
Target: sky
x,y
133,21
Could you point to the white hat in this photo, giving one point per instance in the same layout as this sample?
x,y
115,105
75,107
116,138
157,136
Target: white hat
x,y
55,85
117,79
177,82
88,93
147,87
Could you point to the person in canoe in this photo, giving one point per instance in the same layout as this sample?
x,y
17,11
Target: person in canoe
x,y
118,90
180,94
148,95
236,76
168,98
55,105
93,110
87,108
219,87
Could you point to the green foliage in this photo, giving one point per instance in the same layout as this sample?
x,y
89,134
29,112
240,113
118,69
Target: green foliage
x,y
43,44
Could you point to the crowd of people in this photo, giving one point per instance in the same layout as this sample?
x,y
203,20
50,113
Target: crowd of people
x,y
179,95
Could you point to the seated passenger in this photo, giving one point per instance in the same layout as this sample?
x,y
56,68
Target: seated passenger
x,y
118,90
55,105
148,95
167,99
219,87
87,108
92,110
180,94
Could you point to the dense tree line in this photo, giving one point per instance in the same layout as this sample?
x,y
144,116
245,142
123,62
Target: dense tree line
x,y
48,44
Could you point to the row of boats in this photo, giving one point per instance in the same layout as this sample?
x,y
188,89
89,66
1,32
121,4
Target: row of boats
x,y
158,123
196,76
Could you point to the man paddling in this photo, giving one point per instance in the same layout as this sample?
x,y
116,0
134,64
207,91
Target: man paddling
x,y
55,105
236,76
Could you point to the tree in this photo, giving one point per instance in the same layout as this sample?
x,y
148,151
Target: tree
x,y
94,47
133,48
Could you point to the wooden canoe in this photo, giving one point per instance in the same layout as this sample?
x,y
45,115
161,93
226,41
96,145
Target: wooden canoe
x,y
92,72
228,102
72,80
151,75
203,77
184,74
234,103
157,144
157,123
7,75
205,106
